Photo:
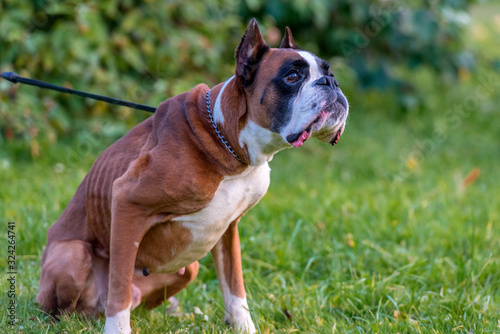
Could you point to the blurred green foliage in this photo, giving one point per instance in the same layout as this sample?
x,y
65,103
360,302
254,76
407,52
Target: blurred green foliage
x,y
137,51
375,37
147,51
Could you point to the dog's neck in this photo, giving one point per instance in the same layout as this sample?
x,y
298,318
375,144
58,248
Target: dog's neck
x,y
253,143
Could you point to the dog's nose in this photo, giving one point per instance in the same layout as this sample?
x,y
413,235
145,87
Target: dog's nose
x,y
328,81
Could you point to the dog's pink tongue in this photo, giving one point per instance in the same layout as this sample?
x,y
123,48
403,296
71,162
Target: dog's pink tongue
x,y
182,271
300,141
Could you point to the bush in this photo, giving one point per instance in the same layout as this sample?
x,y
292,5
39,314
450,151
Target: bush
x,y
137,51
377,37
147,51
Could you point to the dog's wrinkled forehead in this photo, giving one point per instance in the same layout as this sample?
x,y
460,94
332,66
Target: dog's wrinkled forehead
x,y
283,75
308,65
317,66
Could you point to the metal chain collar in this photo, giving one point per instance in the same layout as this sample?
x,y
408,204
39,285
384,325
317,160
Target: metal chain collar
x,y
222,138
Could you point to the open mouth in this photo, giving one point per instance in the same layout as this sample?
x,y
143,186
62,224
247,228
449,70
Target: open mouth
x,y
298,139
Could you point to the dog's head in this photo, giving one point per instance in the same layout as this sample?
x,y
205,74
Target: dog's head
x,y
291,94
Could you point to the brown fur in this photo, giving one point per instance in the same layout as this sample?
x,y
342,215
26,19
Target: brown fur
x,y
227,257
122,216
271,62
156,288
169,165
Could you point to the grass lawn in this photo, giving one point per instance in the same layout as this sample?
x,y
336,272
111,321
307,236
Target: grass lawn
x,y
396,229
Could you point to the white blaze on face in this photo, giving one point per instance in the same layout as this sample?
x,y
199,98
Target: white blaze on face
x,y
314,70
302,111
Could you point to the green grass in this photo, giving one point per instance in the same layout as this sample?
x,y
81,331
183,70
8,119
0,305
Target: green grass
x,y
377,235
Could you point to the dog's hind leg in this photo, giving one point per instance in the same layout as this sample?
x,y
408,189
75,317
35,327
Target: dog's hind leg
x,y
157,288
66,279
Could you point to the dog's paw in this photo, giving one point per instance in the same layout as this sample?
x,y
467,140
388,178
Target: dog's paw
x,y
241,321
119,323
117,328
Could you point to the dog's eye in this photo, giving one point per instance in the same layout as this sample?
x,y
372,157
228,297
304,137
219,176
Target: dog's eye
x,y
292,77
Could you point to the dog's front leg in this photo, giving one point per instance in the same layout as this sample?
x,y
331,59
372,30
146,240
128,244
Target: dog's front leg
x,y
128,227
227,258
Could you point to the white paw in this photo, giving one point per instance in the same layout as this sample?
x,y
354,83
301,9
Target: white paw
x,y
242,325
246,326
119,323
238,316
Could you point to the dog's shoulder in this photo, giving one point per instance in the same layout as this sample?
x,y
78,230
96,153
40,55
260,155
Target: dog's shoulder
x,y
174,114
171,172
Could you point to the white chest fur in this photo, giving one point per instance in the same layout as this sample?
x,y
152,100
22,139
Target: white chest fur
x,y
235,195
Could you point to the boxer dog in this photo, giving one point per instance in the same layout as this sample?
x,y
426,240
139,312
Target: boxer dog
x,y
175,187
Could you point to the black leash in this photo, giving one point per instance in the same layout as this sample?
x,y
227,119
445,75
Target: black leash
x,y
13,77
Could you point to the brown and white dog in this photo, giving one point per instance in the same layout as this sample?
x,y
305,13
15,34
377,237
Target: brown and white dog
x,y
175,187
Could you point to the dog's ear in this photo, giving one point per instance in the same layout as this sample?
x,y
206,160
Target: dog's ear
x,y
288,42
249,53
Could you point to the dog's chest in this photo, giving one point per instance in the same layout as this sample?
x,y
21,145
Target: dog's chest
x,y
234,196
